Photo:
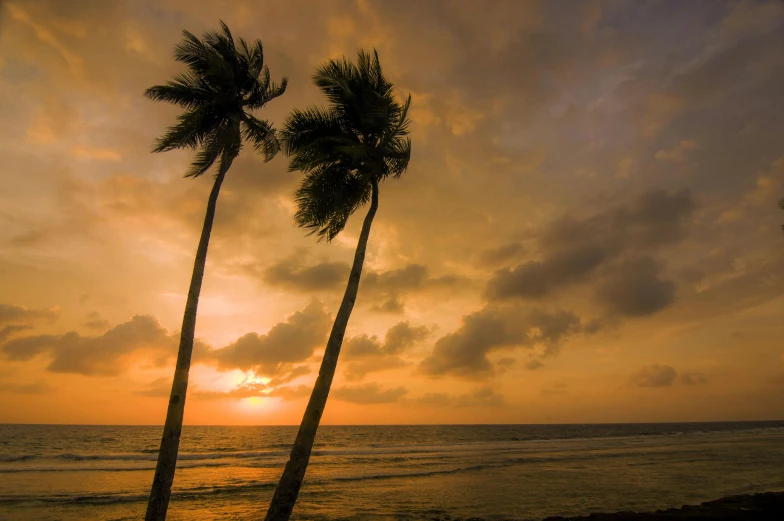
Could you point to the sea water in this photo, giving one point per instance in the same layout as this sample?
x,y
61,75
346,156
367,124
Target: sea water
x,y
493,472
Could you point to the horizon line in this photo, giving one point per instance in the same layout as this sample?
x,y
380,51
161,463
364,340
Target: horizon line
x,y
395,424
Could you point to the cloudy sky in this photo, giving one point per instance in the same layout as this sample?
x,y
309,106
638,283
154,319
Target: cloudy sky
x,y
587,231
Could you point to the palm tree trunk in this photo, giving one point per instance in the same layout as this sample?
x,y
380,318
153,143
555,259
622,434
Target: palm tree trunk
x,y
170,443
288,488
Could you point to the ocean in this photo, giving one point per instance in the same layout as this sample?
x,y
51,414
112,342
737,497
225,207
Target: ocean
x,y
492,472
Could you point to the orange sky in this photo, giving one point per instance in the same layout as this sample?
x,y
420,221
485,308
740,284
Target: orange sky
x,y
587,231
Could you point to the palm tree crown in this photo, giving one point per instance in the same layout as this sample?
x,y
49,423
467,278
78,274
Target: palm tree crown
x,y
360,139
224,81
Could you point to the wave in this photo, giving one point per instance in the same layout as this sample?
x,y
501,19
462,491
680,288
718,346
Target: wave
x,y
15,459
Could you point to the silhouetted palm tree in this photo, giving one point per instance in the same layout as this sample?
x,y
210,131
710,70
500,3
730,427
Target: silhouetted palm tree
x,y
781,205
223,82
345,151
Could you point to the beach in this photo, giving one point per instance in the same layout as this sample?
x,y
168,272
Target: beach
x,y
491,472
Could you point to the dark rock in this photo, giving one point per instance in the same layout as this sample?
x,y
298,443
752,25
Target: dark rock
x,y
767,506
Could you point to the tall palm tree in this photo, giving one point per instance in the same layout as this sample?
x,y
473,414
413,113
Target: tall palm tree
x,y
223,82
781,205
345,151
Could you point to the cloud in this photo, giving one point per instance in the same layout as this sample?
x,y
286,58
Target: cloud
x,y
665,376
291,393
463,353
502,254
361,346
108,354
654,376
678,153
143,340
573,248
401,336
96,321
14,313
537,279
292,274
368,394
392,306
160,387
287,342
484,396
761,196
391,284
366,354
9,331
636,288
693,378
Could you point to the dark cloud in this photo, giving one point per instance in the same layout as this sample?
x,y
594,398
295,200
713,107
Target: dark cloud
x,y
502,254
295,372
654,376
366,354
573,249
392,306
693,378
13,313
112,352
9,331
484,396
464,352
96,321
367,394
536,279
160,387
411,277
361,346
401,336
390,285
291,393
636,288
358,369
665,376
106,354
287,342
293,274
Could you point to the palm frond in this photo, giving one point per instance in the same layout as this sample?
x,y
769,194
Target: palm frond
x,y
185,90
206,156
193,128
224,80
359,139
191,51
311,136
335,79
261,135
397,156
326,199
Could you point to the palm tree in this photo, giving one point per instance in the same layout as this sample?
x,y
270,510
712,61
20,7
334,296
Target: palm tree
x,y
345,151
781,205
224,81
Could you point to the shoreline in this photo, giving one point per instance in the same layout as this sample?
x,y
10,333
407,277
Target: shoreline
x,y
764,506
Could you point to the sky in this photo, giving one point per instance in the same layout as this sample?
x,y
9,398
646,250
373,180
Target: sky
x,y
588,229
